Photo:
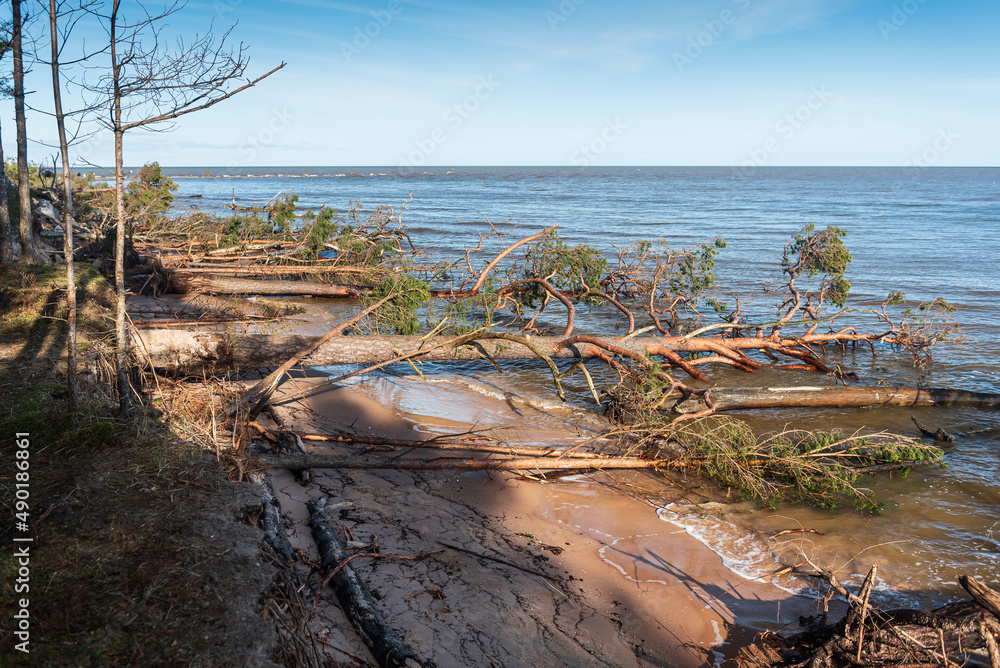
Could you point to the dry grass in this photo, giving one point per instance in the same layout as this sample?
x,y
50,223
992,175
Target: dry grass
x,y
138,556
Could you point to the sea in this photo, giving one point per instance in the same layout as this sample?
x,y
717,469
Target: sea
x,y
928,232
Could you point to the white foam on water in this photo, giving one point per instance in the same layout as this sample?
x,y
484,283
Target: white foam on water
x,y
743,553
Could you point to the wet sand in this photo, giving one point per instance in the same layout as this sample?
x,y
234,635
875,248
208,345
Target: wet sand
x,y
621,587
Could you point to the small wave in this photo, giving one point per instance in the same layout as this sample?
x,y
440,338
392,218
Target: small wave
x,y
741,552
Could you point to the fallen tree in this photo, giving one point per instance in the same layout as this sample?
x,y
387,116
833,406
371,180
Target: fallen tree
x,y
820,469
670,285
664,366
185,282
187,352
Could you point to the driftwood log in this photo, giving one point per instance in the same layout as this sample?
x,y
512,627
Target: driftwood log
x,y
385,645
867,636
184,282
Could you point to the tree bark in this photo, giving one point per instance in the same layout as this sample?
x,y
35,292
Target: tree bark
x,y
6,235
740,398
183,282
324,460
983,595
121,333
271,521
29,243
67,213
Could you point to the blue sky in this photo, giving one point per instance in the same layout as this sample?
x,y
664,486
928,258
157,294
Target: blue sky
x,y
722,82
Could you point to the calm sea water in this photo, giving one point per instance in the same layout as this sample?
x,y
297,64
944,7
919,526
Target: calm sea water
x,y
928,232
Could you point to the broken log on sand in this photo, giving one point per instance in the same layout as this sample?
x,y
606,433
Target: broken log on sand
x,y
386,646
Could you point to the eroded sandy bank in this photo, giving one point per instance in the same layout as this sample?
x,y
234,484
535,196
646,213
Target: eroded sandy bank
x,y
622,587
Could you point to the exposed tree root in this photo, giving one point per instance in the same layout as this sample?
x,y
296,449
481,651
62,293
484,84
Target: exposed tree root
x,y
868,636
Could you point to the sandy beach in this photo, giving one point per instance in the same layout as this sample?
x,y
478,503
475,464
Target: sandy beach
x,y
605,580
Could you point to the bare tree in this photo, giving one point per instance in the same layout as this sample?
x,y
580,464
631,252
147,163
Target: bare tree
x,y
150,85
57,10
7,254
30,247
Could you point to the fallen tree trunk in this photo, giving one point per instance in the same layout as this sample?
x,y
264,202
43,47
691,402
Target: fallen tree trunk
x,y
271,521
235,269
433,444
214,352
183,282
193,352
324,460
385,645
740,398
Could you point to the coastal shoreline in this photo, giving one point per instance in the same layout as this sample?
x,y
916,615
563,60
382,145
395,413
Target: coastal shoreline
x,y
597,594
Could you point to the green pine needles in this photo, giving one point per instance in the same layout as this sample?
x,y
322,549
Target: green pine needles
x,y
823,469
567,268
399,313
810,253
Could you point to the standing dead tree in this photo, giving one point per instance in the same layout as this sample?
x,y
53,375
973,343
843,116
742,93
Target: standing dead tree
x,y
148,85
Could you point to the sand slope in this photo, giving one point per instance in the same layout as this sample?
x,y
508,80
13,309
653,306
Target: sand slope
x,y
627,589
